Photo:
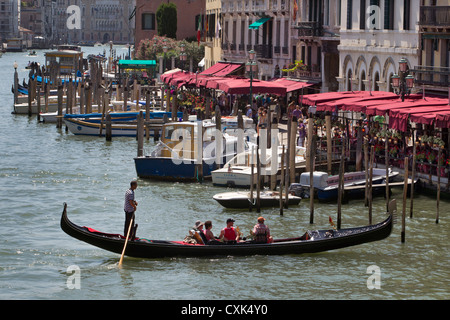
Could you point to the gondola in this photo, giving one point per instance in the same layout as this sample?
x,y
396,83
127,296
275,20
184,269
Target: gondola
x,y
310,242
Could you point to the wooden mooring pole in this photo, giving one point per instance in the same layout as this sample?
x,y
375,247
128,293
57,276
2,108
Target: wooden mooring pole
x,y
60,101
386,154
281,180
252,173
341,185
329,142
312,154
405,191
140,134
438,184
413,173
108,127
370,196
366,168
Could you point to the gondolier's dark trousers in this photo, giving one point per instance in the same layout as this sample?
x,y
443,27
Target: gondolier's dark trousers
x,y
128,217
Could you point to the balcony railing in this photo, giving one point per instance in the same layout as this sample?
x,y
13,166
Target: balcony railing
x,y
434,16
309,29
263,51
435,76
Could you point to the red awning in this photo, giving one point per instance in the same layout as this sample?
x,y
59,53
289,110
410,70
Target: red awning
x,y
178,78
215,68
227,70
361,106
166,76
242,86
442,119
204,80
398,118
214,84
408,103
221,69
313,99
345,103
291,85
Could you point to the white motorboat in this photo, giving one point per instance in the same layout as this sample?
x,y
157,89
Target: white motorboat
x,y
238,171
327,186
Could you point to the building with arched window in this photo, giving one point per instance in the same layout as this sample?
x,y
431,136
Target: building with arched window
x,y
375,35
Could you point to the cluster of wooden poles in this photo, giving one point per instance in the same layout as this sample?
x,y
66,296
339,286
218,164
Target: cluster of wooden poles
x,y
90,93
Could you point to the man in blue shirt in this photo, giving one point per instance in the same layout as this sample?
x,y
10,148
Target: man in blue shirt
x,y
129,208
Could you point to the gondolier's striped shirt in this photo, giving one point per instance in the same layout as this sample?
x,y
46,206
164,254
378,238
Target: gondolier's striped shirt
x,y
129,195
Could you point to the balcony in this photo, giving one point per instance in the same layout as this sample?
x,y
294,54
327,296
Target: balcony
x,y
263,51
434,16
433,76
309,29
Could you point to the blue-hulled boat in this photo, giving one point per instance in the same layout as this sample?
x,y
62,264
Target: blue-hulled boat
x,y
89,124
176,156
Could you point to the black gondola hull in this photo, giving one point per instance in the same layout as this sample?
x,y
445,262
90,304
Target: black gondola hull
x,y
322,240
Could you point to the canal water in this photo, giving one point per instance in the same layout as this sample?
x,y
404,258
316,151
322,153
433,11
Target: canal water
x,y
42,167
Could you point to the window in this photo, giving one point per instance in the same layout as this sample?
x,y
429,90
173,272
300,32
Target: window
x,y
148,21
389,14
349,14
406,15
362,15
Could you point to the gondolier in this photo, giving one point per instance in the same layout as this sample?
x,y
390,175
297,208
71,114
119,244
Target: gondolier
x,y
130,207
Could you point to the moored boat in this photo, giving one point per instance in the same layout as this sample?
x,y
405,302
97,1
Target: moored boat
x,y
310,242
327,187
238,172
89,124
177,155
244,199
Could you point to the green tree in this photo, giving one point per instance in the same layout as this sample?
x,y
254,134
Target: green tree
x,y
166,18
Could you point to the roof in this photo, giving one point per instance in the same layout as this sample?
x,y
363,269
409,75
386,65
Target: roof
x,y
64,53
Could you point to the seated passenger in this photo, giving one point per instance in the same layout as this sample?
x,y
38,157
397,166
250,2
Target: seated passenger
x,y
261,232
229,234
207,231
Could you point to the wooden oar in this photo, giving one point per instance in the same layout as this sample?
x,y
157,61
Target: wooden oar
x,y
126,241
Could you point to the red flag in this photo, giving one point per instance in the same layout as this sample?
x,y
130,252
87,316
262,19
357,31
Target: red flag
x,y
199,30
294,13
